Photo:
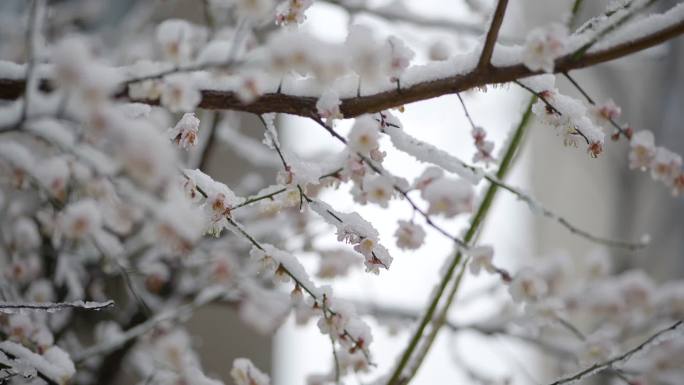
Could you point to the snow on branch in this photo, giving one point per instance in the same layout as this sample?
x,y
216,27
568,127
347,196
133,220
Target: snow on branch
x,y
12,307
418,83
649,343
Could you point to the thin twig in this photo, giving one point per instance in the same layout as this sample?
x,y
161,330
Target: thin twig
x,y
492,34
53,306
592,102
318,302
599,367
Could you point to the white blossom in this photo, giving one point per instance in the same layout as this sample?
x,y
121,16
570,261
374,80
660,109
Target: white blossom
x,y
410,236
328,106
398,58
186,132
527,286
666,165
245,373
179,93
449,197
292,11
481,259
379,189
642,150
543,46
80,219
364,135
174,36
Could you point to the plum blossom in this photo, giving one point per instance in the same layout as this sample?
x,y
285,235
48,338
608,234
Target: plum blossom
x,y
186,132
328,106
80,219
666,165
410,236
398,58
245,373
608,110
527,286
481,259
292,11
484,147
379,189
364,135
449,197
543,46
642,150
174,36
179,93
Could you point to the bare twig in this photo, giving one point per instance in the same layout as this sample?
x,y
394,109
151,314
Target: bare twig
x,y
492,35
596,368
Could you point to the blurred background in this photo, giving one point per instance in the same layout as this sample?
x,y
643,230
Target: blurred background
x,y
601,195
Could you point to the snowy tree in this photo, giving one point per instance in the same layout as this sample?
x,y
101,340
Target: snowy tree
x,y
113,232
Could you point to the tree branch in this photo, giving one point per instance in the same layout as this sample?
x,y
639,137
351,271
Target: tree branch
x,y
492,34
355,106
654,339
51,306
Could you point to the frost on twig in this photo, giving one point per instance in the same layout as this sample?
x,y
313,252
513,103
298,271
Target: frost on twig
x,y
13,307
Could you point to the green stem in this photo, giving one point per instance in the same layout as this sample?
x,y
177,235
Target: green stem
x,y
479,216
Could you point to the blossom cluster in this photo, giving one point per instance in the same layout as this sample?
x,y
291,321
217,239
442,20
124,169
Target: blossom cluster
x,y
104,196
664,165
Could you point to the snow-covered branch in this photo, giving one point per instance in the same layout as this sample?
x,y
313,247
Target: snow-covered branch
x,y
12,307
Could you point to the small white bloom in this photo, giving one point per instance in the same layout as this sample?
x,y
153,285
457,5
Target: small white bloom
x,y
398,58
642,150
175,35
428,176
251,87
481,259
543,46
449,197
328,105
186,132
25,234
245,373
379,189
666,165
292,11
410,236
179,93
80,219
527,286
364,135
